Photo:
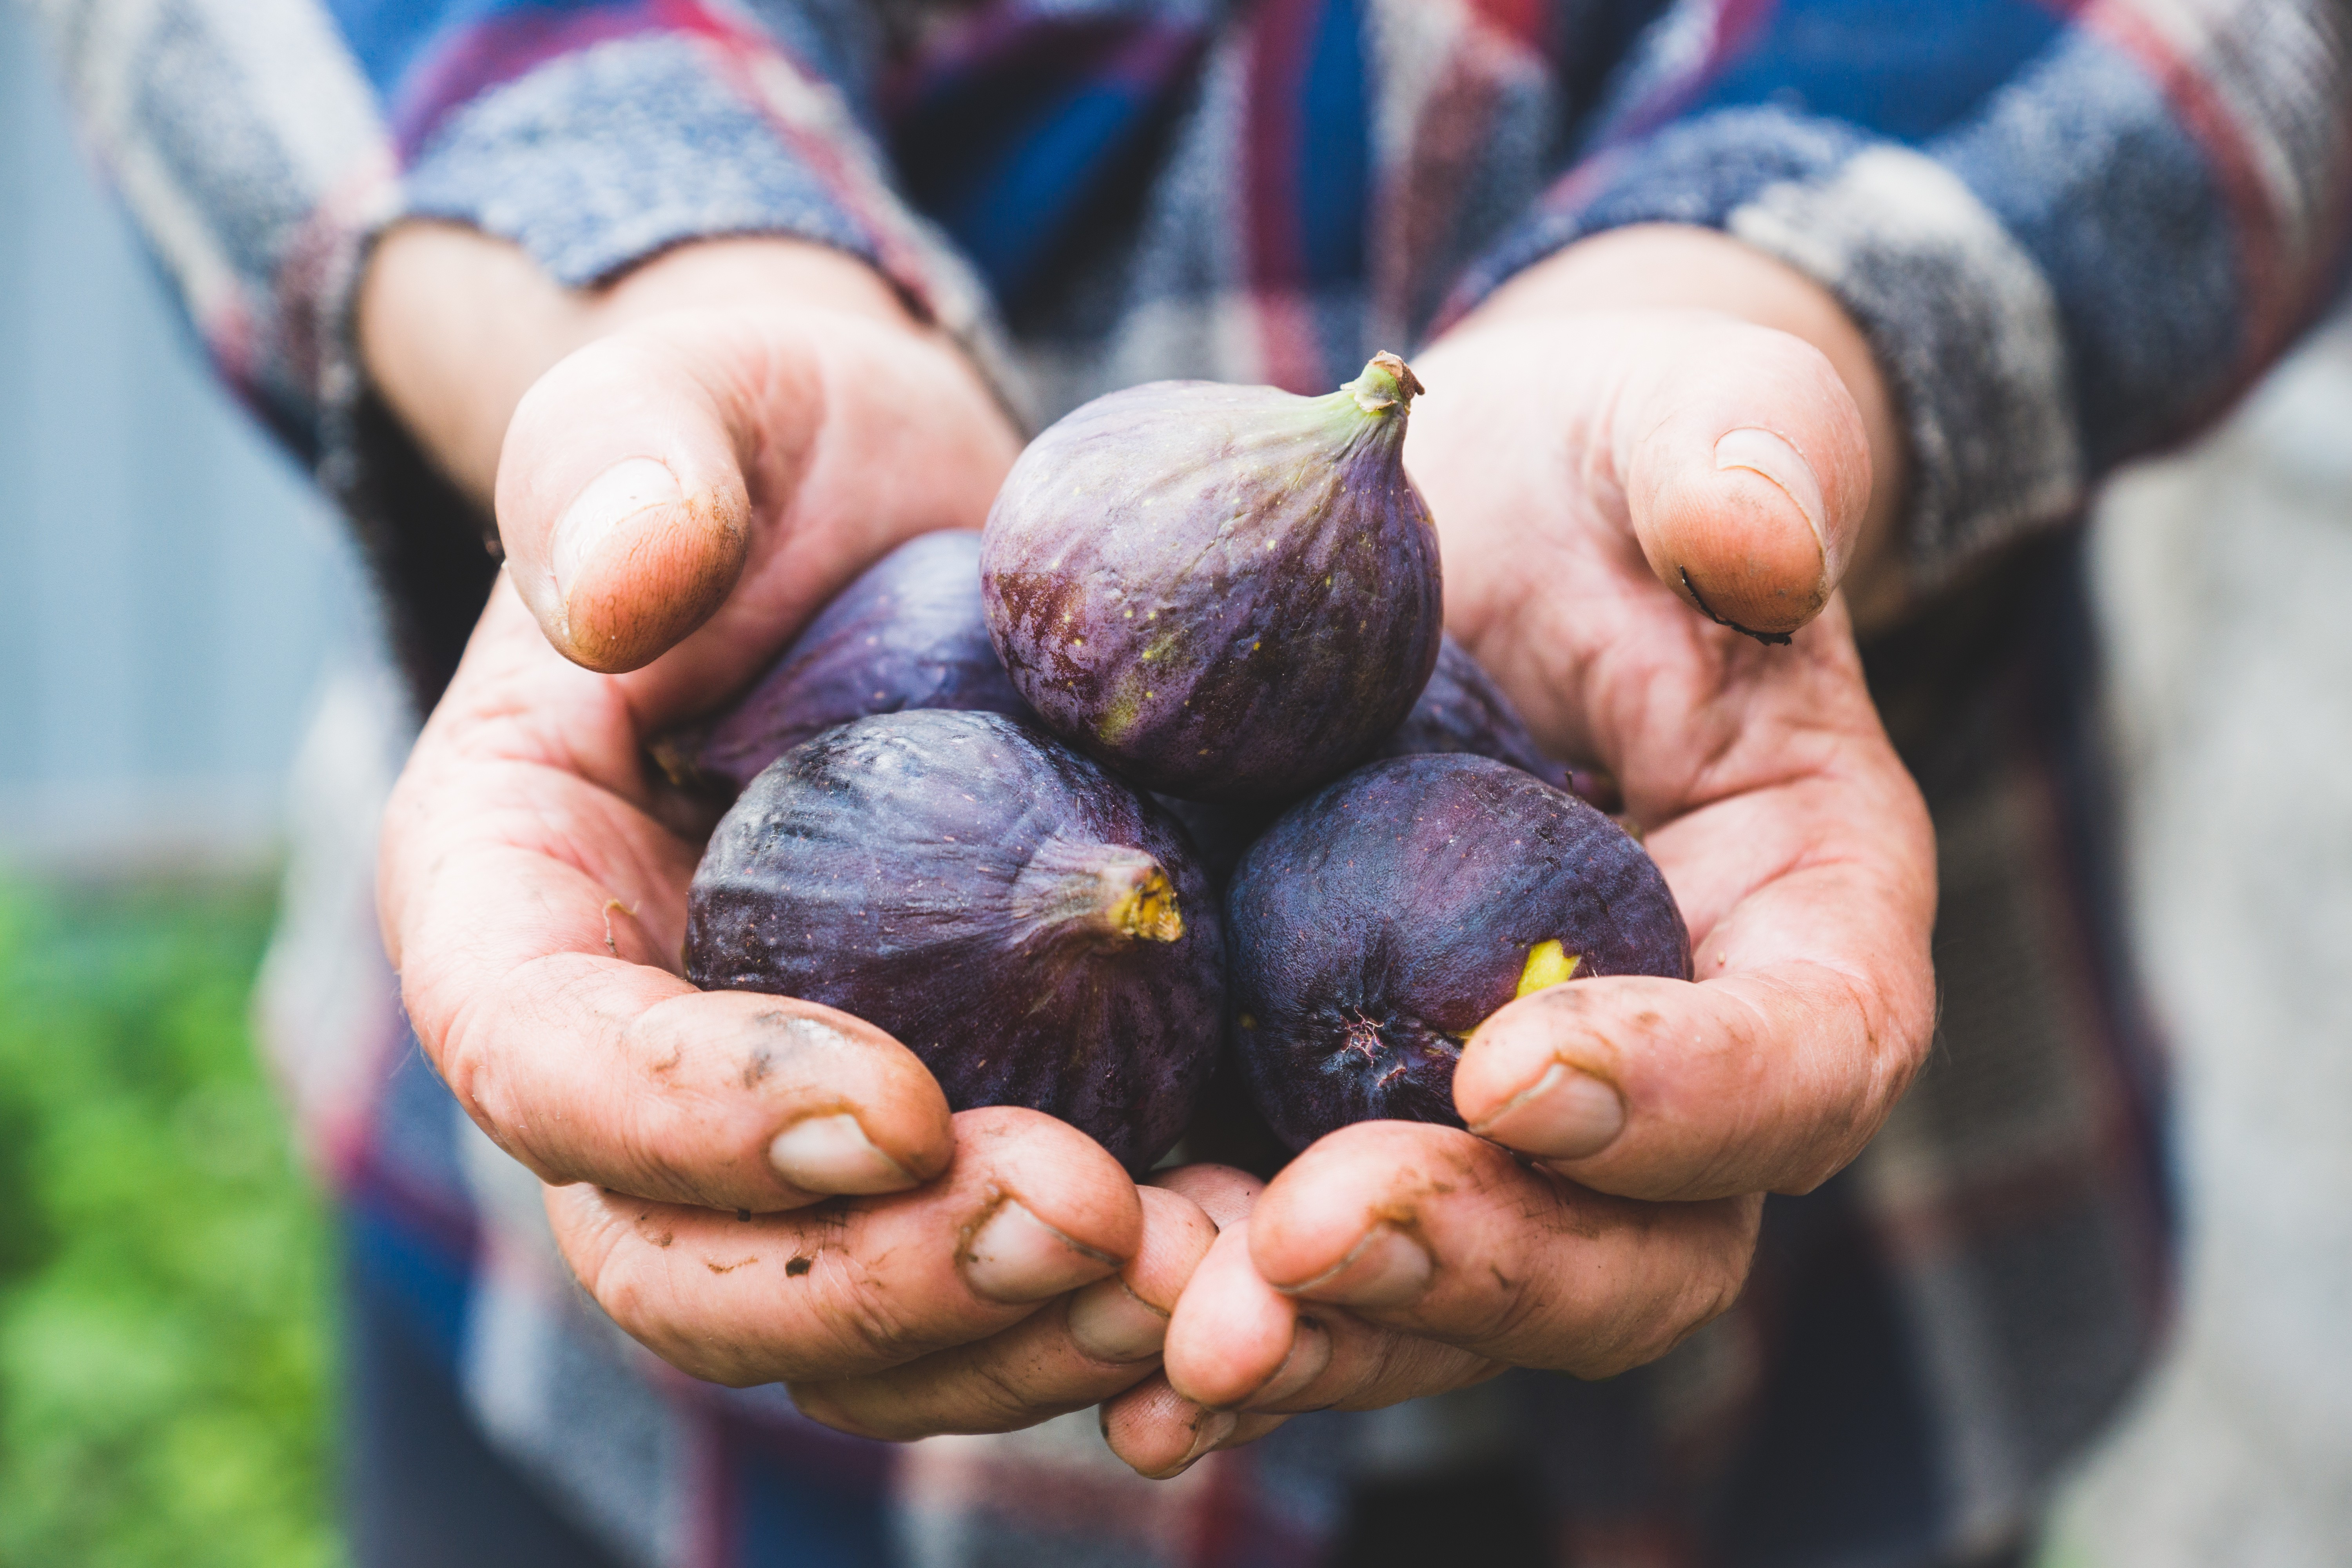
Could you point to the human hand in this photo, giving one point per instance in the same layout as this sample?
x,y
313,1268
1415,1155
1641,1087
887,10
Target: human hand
x,y
1593,497
756,1188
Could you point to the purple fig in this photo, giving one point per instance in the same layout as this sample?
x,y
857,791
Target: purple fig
x,y
909,634
1220,833
1226,592
1462,710
1033,929
1380,922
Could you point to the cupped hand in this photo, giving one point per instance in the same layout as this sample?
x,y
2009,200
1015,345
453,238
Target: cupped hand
x,y
1618,493
755,1187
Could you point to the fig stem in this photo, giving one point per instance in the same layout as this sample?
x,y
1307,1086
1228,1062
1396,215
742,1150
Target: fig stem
x,y
1108,890
1388,382
1148,909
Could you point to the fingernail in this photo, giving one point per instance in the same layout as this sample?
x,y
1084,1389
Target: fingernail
x,y
1016,1256
1210,1428
1309,1358
1111,1323
1563,1115
1387,1269
832,1154
1762,452
610,499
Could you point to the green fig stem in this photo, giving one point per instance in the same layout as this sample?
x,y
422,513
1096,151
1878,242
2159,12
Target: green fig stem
x,y
1387,385
1101,890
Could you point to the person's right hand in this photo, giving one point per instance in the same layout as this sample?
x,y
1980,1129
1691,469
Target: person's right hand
x,y
756,1188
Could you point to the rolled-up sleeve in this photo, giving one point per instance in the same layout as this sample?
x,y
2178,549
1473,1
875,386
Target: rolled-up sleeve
x,y
263,145
2069,238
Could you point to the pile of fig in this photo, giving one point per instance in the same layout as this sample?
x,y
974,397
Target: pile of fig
x,y
1172,766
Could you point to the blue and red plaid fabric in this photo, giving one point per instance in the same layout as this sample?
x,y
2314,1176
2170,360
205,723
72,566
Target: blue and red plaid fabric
x,y
2073,230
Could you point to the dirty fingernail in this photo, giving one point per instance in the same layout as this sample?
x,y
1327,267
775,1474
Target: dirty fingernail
x,y
610,499
832,1154
1111,1323
1387,1269
1563,1115
1763,452
1016,1256
1309,1358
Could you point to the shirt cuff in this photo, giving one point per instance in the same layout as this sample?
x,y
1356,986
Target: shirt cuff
x,y
605,156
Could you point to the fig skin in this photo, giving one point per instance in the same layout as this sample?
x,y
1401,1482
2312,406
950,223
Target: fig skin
x,y
1379,923
1034,930
908,634
1462,710
1228,593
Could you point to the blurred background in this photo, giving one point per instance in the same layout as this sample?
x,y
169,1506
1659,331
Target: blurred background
x,y
173,596
176,602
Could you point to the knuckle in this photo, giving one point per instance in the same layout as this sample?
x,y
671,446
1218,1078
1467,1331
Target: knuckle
x,y
1512,1314
860,1312
1000,1400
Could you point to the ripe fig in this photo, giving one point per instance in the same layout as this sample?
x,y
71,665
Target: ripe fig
x,y
1226,592
1462,710
1380,922
908,634
1034,930
1220,833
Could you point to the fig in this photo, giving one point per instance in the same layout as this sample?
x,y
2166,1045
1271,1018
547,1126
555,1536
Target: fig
x,y
1031,928
1229,593
908,634
1462,710
1220,833
1381,920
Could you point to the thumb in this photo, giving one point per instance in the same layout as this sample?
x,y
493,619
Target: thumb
x,y
622,501
1746,471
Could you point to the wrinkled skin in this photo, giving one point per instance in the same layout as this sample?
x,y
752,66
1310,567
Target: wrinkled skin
x,y
944,875
533,884
1228,593
1379,923
908,634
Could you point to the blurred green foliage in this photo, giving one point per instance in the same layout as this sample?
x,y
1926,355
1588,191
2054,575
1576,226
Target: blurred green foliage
x,y
165,1281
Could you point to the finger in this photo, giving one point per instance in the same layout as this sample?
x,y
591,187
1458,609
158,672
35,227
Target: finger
x,y
1101,1339
1252,1341
1222,1192
1161,1434
1238,1344
1029,1209
534,907
1440,1234
1746,471
1813,901
621,499
734,469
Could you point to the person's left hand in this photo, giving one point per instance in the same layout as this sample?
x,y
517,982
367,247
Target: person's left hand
x,y
1624,1130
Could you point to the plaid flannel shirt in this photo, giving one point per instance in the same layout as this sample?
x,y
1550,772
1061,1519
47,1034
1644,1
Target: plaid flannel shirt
x,y
2072,230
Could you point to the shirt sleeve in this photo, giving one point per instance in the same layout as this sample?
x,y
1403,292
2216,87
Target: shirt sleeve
x,y
2071,234
263,145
